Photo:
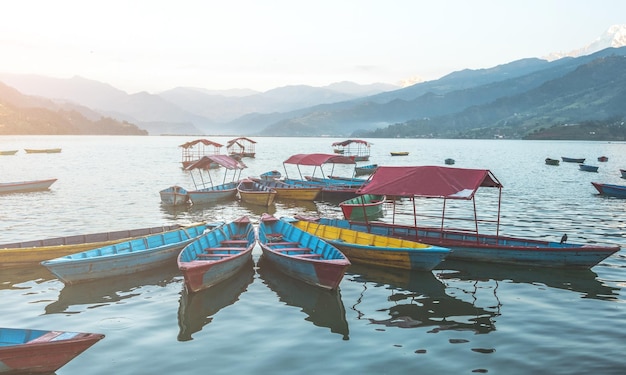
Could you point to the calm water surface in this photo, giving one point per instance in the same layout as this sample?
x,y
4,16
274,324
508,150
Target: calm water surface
x,y
459,319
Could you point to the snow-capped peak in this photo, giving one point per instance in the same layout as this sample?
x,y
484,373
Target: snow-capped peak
x,y
614,37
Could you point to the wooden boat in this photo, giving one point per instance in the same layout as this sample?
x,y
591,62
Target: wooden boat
x,y
291,191
241,147
174,196
610,190
376,249
271,175
217,255
195,150
8,152
449,161
331,192
368,206
467,244
301,255
28,253
42,151
33,351
603,159
126,257
399,153
209,191
552,161
588,168
356,149
26,186
572,160
346,182
623,172
256,193
365,169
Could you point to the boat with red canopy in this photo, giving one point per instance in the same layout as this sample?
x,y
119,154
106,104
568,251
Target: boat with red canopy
x,y
467,242
195,150
356,149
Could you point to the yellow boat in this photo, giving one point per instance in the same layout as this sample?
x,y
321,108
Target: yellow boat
x,y
22,254
291,191
374,249
254,193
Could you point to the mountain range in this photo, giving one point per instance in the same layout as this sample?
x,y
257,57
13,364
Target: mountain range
x,y
515,100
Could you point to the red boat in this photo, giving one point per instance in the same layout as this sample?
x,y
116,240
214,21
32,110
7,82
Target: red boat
x,y
31,351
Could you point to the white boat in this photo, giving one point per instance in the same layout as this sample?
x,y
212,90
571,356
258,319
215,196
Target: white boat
x,y
174,196
23,186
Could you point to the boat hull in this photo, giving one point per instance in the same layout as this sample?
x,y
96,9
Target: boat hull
x,y
214,194
377,250
255,193
217,255
124,258
365,170
28,253
26,351
588,168
368,206
301,255
42,151
174,196
494,249
572,160
552,161
26,186
9,152
610,190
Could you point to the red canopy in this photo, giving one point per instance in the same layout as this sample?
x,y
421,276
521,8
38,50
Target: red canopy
x,y
429,181
318,159
237,140
223,160
205,142
347,142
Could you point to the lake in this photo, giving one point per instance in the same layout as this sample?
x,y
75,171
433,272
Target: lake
x,y
458,319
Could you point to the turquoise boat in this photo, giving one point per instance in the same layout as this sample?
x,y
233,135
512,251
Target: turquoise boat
x,y
125,258
301,255
364,207
217,255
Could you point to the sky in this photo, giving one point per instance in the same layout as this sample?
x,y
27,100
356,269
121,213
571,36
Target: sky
x,y
156,45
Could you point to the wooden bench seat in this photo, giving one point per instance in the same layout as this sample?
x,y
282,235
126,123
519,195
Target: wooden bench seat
x,y
234,242
299,249
205,256
282,244
235,249
308,256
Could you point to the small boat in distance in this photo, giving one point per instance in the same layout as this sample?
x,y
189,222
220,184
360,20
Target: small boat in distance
x,y
603,158
610,190
399,153
623,172
301,255
449,161
125,258
174,196
588,168
365,169
25,186
30,351
256,193
271,175
552,161
355,149
241,147
572,160
217,255
42,151
8,152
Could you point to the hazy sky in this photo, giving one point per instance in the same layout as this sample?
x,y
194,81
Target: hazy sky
x,y
154,45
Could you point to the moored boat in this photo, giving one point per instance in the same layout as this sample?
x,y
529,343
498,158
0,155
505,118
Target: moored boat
x,y
241,147
356,149
34,351
26,186
610,190
270,175
552,161
468,244
256,193
588,168
174,196
365,169
217,255
623,172
603,159
27,253
399,153
376,249
291,191
126,257
42,151
572,160
195,150
449,161
208,191
301,255
8,152
368,206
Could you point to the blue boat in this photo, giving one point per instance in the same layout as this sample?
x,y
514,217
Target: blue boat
x,y
572,160
209,191
125,258
217,255
610,190
588,168
174,196
365,169
301,255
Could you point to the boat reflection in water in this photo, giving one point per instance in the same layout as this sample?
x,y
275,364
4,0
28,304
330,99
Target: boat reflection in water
x,y
583,281
419,299
323,307
74,299
197,309
13,278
